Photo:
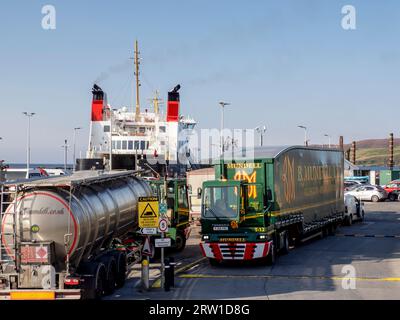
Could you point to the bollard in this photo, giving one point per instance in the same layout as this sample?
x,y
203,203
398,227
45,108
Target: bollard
x,y
145,274
167,283
172,264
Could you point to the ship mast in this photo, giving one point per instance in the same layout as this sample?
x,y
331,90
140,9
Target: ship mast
x,y
156,102
136,60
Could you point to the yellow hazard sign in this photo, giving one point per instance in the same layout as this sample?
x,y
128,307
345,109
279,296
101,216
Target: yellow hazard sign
x,y
148,212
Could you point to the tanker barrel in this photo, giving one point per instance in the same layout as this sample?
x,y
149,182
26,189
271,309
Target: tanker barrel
x,y
102,207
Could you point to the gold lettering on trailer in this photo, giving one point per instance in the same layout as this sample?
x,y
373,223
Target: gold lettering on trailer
x,y
244,165
289,187
243,176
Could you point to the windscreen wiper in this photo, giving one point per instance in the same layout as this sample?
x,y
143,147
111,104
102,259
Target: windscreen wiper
x,y
213,213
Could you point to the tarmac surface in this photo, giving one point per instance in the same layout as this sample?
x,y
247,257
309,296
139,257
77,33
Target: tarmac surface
x,y
360,262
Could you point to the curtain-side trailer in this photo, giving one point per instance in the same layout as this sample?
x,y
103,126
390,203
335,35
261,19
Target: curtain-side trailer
x,y
264,203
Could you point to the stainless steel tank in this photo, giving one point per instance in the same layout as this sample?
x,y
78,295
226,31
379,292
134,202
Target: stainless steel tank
x,y
79,225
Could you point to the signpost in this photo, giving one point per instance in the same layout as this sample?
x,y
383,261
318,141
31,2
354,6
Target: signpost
x,y
148,231
163,225
148,222
163,243
148,212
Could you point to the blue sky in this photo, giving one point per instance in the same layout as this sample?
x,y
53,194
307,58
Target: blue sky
x,y
280,63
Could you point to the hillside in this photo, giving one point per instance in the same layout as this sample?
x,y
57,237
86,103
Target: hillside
x,y
375,152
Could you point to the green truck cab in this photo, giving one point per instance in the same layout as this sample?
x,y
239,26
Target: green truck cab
x,y
174,194
261,205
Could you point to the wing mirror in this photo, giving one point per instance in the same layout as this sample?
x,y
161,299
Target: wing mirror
x,y
199,192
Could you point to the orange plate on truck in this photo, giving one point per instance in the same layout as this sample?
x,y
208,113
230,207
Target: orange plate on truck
x,y
32,295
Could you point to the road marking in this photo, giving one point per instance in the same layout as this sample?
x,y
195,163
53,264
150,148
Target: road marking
x,y
157,282
207,276
357,235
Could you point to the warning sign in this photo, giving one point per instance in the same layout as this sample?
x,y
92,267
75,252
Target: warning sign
x,y
148,212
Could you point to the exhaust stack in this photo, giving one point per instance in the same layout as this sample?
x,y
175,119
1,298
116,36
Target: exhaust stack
x,y
353,152
173,105
98,103
391,152
341,143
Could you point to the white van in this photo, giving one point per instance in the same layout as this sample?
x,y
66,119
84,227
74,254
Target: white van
x,y
354,209
13,174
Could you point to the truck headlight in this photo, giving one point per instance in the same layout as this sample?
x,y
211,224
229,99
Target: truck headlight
x,y
262,236
205,237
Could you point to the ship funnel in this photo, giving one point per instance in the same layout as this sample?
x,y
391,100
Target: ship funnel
x,y
98,103
173,105
391,151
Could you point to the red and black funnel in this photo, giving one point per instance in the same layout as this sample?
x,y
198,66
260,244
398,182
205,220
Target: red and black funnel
x,y
98,103
173,105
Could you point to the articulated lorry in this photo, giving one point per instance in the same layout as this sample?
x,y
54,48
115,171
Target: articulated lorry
x,y
73,237
263,204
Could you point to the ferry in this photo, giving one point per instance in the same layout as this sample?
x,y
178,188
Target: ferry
x,y
132,138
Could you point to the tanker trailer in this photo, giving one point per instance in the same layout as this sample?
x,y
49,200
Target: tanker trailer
x,y
60,237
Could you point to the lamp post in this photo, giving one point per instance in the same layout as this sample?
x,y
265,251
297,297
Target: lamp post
x,y
29,115
223,105
65,147
110,146
74,143
261,131
329,140
305,134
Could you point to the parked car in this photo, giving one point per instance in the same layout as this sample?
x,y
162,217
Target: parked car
x,y
348,185
393,189
394,195
369,193
354,209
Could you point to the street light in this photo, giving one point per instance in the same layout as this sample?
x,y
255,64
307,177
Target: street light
x,y
65,147
28,138
305,134
223,105
74,142
329,140
110,146
261,131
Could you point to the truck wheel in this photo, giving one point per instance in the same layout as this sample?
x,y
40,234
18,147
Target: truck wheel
x,y
180,242
98,271
332,229
392,197
111,272
120,258
285,244
375,199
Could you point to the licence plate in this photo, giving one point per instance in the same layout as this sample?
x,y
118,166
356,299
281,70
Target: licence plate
x,y
32,295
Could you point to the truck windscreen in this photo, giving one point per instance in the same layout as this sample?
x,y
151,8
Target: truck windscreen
x,y
220,203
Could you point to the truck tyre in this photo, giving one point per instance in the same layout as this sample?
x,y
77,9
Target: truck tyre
x,y
285,244
120,258
375,199
332,229
180,241
96,286
392,197
111,274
